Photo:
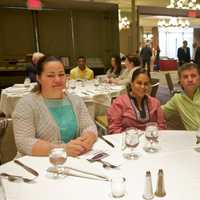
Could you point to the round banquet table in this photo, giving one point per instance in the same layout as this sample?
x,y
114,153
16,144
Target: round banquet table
x,y
177,157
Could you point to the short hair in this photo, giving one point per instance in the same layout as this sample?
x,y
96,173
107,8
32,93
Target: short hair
x,y
188,66
185,41
133,59
81,57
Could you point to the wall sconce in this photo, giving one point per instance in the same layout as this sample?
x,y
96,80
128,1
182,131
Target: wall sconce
x,y
124,23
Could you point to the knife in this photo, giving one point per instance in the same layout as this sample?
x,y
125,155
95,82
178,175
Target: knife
x,y
108,142
88,173
32,171
79,175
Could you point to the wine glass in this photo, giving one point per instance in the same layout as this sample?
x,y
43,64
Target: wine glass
x,y
151,134
72,84
57,157
96,82
131,141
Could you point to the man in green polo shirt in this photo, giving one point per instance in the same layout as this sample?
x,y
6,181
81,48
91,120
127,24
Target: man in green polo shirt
x,y
187,103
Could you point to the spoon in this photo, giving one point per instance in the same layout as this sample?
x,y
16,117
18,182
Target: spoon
x,y
13,178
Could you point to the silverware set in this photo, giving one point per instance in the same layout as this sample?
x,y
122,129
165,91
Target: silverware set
x,y
99,157
12,177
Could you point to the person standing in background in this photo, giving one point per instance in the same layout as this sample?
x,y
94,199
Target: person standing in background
x,y
197,55
194,46
145,55
183,54
157,64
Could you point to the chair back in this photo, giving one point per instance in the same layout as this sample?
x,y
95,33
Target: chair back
x,y
154,89
169,83
8,149
102,102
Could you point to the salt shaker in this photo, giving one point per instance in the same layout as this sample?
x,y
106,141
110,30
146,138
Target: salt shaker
x,y
160,190
148,191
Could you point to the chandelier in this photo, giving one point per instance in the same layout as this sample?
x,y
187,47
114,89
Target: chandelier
x,y
174,22
124,23
184,4
147,37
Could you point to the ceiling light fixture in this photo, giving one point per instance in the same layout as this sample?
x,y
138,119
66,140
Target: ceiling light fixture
x,y
184,4
174,22
124,23
147,37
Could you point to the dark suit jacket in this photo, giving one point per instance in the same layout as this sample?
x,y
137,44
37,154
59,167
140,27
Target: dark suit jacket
x,y
197,56
183,56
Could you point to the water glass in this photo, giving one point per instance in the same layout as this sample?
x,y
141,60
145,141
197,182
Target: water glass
x,y
57,157
27,82
131,141
118,187
151,135
72,84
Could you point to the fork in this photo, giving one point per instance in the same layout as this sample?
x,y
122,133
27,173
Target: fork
x,y
105,163
13,178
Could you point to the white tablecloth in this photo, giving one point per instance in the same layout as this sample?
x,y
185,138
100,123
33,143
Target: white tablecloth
x,y
11,95
177,158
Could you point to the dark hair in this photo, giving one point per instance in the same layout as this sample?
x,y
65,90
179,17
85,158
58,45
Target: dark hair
x,y
118,63
81,57
139,71
188,66
136,73
45,59
40,67
133,59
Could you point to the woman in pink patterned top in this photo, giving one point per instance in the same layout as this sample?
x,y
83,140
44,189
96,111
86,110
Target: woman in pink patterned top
x,y
136,108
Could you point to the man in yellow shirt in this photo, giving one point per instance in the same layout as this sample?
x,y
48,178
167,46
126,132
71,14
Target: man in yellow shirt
x,y
82,71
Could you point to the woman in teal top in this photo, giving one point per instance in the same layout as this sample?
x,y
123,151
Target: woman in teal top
x,y
43,118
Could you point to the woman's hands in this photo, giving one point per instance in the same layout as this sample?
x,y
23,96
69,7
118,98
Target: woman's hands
x,y
81,144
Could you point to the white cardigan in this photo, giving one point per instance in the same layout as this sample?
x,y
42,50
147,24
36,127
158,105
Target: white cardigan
x,y
32,120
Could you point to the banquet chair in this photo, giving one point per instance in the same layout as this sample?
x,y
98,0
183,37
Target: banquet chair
x,y
102,103
8,148
170,85
154,86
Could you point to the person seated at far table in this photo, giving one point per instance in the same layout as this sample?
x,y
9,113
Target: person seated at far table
x,y
82,71
132,62
32,67
187,103
135,108
44,117
115,68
